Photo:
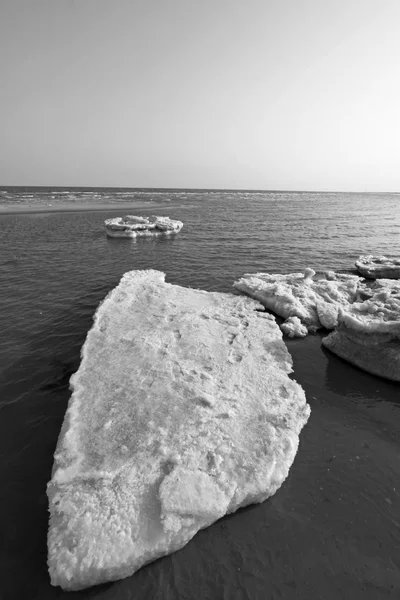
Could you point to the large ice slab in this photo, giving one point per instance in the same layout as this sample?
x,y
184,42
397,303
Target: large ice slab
x,y
131,226
182,411
374,267
315,301
368,332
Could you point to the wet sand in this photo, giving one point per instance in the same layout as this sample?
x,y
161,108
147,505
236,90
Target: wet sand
x,y
12,209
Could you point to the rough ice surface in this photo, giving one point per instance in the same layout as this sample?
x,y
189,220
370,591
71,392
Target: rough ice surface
x,y
374,267
293,327
182,411
374,347
368,333
132,226
314,301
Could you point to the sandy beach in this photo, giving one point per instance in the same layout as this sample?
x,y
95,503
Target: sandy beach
x,y
126,207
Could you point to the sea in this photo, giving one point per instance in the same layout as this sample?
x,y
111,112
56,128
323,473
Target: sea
x,y
332,531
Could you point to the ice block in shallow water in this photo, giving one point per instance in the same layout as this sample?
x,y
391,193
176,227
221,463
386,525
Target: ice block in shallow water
x,y
382,267
132,226
182,411
315,301
368,332
293,327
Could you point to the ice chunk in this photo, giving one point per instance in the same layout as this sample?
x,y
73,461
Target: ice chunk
x,y
314,301
309,273
381,306
368,333
373,346
182,410
293,327
132,226
375,267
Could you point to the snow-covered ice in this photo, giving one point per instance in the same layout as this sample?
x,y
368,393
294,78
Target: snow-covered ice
x,y
315,301
131,226
368,332
293,327
365,315
182,411
373,346
374,267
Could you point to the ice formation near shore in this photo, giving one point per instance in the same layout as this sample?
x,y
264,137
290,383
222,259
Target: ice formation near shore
x,y
315,301
131,226
365,315
182,411
368,332
382,267
293,327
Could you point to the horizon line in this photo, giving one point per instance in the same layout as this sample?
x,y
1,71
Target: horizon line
x,y
250,190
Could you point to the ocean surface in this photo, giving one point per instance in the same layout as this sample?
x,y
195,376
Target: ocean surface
x,y
332,531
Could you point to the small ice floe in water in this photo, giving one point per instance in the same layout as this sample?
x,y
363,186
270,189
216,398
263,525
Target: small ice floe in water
x,y
315,301
132,226
368,332
374,267
182,411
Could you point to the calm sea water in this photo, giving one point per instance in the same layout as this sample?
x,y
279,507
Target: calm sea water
x,y
332,530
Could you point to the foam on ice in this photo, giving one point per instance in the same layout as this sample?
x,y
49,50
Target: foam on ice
x,y
182,411
374,267
132,226
314,301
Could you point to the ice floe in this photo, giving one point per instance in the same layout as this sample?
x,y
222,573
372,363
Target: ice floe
x,y
373,346
131,226
182,411
315,301
374,267
365,315
368,332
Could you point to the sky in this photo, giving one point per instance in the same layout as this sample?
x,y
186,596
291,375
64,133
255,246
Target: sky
x,y
247,94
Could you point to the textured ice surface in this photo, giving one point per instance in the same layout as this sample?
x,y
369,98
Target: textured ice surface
x,y
375,267
182,411
374,347
293,327
314,301
132,226
368,334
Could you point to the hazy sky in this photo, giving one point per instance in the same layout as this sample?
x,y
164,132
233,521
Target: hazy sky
x,y
282,94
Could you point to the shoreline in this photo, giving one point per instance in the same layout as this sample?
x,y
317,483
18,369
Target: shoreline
x,y
17,209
